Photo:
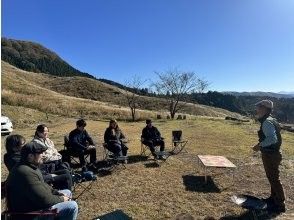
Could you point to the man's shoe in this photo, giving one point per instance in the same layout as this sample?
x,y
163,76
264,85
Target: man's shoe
x,y
92,166
269,200
275,209
162,158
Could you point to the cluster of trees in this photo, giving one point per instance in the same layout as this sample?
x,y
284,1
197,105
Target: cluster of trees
x,y
180,87
36,58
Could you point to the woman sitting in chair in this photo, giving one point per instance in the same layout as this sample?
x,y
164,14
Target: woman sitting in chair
x,y
114,139
52,159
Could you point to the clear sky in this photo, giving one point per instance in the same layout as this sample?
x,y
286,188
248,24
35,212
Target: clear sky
x,y
236,45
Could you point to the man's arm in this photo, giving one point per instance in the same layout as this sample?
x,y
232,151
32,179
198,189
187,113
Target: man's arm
x,y
89,138
40,192
270,134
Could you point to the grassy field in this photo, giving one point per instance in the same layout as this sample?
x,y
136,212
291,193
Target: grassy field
x,y
144,191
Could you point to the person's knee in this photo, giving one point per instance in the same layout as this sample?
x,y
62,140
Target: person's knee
x,y
66,192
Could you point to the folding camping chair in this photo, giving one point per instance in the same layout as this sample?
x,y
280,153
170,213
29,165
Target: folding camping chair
x,y
113,160
178,143
70,153
145,149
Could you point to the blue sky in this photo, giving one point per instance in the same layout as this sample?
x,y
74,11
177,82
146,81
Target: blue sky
x,y
236,45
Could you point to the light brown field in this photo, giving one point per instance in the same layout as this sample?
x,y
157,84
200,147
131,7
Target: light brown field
x,y
145,192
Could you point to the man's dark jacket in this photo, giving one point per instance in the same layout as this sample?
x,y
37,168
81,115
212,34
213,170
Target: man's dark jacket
x,y
78,140
27,191
150,134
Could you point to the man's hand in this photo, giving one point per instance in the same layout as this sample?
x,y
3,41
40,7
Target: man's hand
x,y
256,147
65,198
91,146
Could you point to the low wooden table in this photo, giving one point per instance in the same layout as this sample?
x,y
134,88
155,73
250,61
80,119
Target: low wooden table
x,y
208,161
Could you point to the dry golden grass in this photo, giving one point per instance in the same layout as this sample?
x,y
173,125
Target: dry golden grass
x,y
177,186
76,96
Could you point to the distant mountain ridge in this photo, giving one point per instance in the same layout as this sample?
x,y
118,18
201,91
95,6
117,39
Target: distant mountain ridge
x,y
262,94
34,57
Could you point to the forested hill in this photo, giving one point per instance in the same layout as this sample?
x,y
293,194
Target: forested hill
x,y
34,57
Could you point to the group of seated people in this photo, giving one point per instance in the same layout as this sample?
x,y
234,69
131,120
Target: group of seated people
x,y
46,181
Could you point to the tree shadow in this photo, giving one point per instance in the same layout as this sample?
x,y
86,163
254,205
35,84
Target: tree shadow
x,y
115,215
197,184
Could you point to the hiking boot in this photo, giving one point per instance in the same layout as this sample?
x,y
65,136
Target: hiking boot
x,y
276,209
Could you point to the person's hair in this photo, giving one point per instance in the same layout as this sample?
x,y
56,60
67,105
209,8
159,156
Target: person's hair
x,y
112,121
148,121
14,143
81,123
40,129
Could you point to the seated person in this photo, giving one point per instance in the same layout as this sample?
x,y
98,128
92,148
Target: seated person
x,y
81,143
151,137
33,194
14,144
113,137
52,160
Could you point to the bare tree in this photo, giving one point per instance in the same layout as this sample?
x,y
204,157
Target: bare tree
x,y
133,96
202,85
175,85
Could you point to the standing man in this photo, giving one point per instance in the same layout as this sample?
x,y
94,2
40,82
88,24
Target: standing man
x,y
83,144
27,191
270,141
151,137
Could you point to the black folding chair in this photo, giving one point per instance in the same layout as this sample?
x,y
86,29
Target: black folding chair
x,y
112,160
178,143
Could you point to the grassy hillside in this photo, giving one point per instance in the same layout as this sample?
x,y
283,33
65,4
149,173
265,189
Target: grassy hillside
x,y
144,191
78,96
34,57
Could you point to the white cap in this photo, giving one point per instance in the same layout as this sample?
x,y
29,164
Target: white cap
x,y
265,103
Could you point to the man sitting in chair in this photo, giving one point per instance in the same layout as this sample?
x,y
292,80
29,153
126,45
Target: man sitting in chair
x,y
151,137
114,139
27,191
83,144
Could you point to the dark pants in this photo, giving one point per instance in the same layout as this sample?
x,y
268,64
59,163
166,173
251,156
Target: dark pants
x,y
271,162
88,151
117,149
63,180
153,143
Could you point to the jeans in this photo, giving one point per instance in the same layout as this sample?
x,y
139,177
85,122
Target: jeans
x,y
66,210
117,149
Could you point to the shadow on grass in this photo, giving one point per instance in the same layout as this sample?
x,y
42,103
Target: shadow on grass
x,y
197,184
136,159
115,215
247,215
151,165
